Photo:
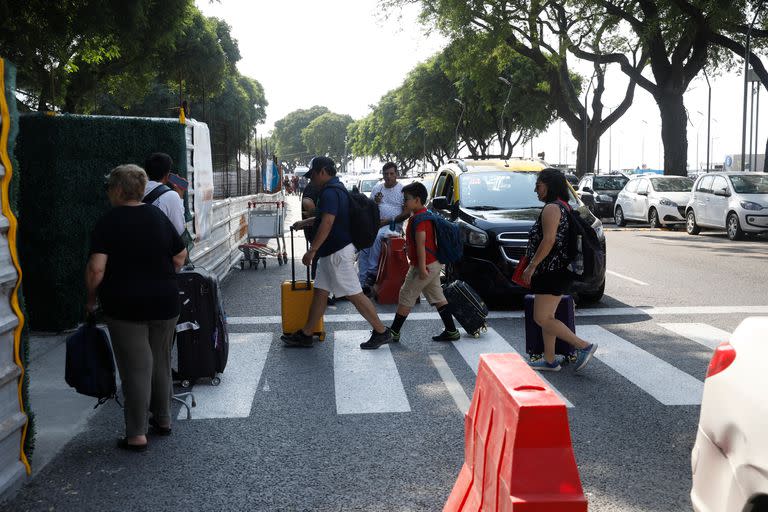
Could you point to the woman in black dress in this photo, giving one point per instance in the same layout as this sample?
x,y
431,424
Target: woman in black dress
x,y
547,271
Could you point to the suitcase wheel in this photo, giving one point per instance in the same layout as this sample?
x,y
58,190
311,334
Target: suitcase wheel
x,y
476,334
280,260
242,264
186,383
215,381
321,337
484,329
263,264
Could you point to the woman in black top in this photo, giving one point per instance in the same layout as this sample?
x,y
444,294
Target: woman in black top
x,y
135,254
547,270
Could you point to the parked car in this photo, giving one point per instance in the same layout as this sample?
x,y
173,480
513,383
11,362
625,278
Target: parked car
x,y
734,201
599,193
729,461
658,200
495,206
572,179
365,185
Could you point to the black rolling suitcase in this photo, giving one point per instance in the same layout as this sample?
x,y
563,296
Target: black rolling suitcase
x,y
468,308
534,341
202,343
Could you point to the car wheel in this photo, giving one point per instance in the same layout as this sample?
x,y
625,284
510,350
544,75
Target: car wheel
x,y
690,223
618,217
653,218
733,227
591,298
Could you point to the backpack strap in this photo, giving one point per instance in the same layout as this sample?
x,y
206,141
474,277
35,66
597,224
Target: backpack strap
x,y
155,193
421,218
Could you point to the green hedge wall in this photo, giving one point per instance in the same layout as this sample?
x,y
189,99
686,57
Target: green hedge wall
x,y
64,160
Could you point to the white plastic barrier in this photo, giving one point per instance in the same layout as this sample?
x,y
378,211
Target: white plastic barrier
x,y
229,228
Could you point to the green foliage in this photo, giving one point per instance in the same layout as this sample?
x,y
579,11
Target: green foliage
x,y
326,135
287,135
65,50
64,160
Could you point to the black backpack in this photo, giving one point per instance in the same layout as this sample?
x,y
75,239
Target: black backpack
x,y
364,218
89,366
584,249
156,192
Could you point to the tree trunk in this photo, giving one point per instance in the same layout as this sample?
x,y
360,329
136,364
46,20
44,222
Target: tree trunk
x,y
673,132
585,160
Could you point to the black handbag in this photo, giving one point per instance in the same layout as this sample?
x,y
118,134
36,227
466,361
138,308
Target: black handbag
x,y
90,365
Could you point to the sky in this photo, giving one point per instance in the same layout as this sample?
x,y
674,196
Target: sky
x,y
345,55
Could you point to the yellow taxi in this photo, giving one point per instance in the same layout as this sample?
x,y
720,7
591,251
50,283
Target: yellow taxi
x,y
495,206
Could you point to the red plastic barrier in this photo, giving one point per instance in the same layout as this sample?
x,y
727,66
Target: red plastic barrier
x,y
517,455
393,265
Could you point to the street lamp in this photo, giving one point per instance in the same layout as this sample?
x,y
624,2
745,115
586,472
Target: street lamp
x,y
746,69
503,109
642,144
456,132
586,118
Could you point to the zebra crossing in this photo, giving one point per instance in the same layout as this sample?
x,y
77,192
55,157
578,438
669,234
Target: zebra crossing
x,y
369,382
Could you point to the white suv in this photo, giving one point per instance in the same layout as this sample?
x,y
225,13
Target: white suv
x,y
734,201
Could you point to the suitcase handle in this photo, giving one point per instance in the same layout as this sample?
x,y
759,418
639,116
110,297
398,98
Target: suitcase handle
x,y
293,268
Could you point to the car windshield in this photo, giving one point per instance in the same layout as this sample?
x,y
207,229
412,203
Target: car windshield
x,y
367,185
672,184
500,190
609,182
752,184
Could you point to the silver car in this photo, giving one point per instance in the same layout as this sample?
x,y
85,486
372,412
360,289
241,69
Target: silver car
x,y
734,201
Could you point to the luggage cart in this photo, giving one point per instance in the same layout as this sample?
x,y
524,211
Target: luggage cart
x,y
265,222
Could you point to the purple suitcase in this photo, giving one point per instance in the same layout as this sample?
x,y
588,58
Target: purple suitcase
x,y
534,341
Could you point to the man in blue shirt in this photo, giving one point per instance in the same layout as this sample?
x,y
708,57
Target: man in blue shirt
x,y
333,246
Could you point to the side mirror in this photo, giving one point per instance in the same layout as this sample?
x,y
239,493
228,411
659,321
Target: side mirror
x,y
440,203
587,189
642,192
722,192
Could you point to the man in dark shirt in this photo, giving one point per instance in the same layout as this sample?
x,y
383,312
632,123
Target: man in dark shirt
x,y
332,243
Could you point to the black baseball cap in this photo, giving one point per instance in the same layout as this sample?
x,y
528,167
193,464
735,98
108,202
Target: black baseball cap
x,y
320,162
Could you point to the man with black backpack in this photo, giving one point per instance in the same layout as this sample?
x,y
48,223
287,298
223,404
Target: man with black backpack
x,y
158,169
333,244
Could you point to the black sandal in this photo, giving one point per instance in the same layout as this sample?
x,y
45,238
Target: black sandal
x,y
157,429
123,445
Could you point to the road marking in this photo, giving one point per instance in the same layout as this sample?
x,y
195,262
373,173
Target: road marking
x,y
630,279
453,386
366,381
494,315
492,343
704,334
661,380
233,398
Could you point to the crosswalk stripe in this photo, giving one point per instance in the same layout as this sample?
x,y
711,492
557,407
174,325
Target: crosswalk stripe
x,y
661,380
453,386
366,381
504,315
491,343
233,398
703,334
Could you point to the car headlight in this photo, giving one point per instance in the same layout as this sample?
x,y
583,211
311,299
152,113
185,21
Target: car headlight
x,y
604,197
598,227
667,202
474,236
749,205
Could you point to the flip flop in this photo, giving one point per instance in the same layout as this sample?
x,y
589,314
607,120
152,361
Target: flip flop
x,y
123,445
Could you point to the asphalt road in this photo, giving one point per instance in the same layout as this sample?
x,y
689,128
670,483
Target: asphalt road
x,y
334,428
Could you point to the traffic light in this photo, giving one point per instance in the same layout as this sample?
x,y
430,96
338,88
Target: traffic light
x,y
541,155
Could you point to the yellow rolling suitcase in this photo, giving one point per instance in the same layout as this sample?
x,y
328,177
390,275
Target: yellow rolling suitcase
x,y
296,297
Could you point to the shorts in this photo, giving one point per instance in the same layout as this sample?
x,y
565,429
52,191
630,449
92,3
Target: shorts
x,y
336,273
553,282
413,286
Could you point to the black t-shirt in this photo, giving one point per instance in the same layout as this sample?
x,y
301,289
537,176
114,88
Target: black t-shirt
x,y
140,279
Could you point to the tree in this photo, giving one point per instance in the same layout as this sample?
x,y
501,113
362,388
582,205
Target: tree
x,y
327,135
286,136
522,27
65,50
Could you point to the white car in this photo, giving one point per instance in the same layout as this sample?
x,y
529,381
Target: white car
x,y
734,201
365,185
729,461
658,200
